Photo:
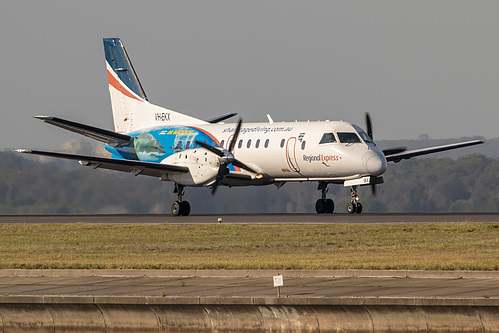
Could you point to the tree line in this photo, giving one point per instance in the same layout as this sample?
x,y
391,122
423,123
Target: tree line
x,y
29,185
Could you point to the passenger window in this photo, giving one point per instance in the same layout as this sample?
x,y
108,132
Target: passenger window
x,y
282,142
328,138
248,144
222,143
267,143
349,138
187,145
303,143
240,144
257,143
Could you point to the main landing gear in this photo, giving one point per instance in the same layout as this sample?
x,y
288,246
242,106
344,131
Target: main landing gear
x,y
323,205
326,206
354,206
179,207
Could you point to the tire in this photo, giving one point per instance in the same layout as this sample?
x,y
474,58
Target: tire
x,y
351,208
358,209
185,208
329,206
176,208
320,206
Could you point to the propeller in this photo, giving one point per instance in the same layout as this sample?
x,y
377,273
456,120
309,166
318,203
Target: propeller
x,y
391,151
369,126
226,157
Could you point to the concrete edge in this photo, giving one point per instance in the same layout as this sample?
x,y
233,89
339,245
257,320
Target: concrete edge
x,y
242,300
341,273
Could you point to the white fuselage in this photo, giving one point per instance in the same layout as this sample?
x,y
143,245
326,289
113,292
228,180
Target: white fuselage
x,y
293,151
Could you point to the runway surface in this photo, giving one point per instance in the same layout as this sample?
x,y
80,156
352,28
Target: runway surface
x,y
220,283
255,219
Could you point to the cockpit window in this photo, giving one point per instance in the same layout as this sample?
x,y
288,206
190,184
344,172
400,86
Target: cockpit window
x,y
328,138
348,137
365,137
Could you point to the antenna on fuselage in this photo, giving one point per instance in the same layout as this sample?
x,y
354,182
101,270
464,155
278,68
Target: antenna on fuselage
x,y
271,121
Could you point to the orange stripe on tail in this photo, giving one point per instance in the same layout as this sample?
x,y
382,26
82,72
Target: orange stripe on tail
x,y
118,86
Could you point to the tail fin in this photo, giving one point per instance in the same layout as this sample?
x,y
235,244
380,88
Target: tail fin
x,y
131,109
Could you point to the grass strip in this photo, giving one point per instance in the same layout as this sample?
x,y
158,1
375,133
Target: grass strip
x,y
443,246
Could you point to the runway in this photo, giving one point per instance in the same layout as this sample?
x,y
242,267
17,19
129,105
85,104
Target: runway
x,y
253,283
256,218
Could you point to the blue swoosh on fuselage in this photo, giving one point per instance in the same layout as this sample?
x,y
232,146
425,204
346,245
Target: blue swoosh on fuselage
x,y
156,144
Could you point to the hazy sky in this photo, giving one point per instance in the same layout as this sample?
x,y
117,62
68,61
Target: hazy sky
x,y
419,67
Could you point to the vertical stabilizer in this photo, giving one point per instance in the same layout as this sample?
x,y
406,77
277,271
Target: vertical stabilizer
x,y
131,109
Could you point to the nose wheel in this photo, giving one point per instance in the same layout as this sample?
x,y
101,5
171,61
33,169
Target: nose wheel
x,y
179,207
354,206
323,205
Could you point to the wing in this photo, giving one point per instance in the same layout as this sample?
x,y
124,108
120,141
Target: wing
x,y
134,167
111,138
394,156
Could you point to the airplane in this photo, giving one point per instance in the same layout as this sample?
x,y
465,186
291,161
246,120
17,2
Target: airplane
x,y
153,141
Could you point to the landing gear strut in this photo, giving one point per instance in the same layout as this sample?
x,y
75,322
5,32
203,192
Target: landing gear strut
x,y
179,207
354,206
323,205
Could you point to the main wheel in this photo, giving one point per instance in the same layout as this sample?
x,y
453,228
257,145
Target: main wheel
x,y
177,208
329,206
351,208
185,208
320,206
358,209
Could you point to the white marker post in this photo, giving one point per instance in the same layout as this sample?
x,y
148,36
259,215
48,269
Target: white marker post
x,y
278,282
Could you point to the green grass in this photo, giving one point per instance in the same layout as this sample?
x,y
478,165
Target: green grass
x,y
447,246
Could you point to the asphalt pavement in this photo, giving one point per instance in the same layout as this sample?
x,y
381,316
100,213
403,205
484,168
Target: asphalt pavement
x,y
220,283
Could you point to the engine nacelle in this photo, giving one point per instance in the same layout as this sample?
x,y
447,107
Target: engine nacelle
x,y
203,167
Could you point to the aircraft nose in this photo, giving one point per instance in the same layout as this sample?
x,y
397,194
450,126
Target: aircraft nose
x,y
374,162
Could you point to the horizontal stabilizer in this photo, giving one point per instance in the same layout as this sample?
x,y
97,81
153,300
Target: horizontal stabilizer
x,y
397,157
220,118
111,138
130,166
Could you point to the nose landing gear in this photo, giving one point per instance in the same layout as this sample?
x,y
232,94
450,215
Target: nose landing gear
x,y
354,206
323,205
179,207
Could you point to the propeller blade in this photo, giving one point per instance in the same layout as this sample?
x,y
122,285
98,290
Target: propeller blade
x,y
369,127
210,148
236,134
227,157
215,186
242,166
222,171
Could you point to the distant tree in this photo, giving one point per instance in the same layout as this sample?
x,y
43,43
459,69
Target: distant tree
x,y
28,186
